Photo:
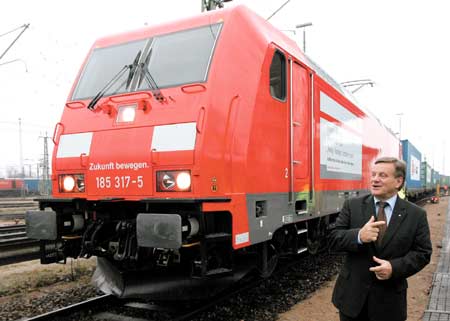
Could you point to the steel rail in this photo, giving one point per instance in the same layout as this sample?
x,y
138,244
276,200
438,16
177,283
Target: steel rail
x,y
74,308
12,216
12,228
18,204
15,246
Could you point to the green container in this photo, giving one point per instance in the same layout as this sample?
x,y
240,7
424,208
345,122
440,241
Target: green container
x,y
426,176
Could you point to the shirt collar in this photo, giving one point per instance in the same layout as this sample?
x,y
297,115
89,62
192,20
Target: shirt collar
x,y
391,201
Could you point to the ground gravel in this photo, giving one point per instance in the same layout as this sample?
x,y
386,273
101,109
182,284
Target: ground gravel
x,y
278,293
46,300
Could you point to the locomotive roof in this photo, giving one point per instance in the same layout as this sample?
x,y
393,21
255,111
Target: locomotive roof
x,y
239,13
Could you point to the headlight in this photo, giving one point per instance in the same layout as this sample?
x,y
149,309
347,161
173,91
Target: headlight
x,y
126,114
173,181
71,183
68,183
184,181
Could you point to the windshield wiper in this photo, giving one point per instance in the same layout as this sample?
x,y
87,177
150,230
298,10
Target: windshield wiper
x,y
133,68
103,91
149,79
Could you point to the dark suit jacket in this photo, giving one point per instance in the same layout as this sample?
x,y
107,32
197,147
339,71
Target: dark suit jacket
x,y
406,245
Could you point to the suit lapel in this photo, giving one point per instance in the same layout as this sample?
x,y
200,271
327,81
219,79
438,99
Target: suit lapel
x,y
398,215
368,209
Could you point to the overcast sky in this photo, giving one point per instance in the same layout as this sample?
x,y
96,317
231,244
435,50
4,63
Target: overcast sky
x,y
401,45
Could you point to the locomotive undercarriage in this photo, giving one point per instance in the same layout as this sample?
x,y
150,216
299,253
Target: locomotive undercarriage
x,y
135,236
193,250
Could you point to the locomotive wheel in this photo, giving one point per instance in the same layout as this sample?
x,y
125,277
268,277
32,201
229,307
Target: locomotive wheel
x,y
316,239
267,260
313,246
218,257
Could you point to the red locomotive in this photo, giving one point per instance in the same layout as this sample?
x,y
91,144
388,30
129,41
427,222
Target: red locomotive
x,y
12,187
192,152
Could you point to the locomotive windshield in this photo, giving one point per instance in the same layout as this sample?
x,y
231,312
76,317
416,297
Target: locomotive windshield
x,y
174,59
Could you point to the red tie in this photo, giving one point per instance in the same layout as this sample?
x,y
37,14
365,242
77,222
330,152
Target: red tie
x,y
381,216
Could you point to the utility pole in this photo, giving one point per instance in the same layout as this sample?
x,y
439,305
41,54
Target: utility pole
x,y
303,26
46,168
443,157
22,170
399,125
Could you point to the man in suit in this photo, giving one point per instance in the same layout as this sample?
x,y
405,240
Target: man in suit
x,y
380,253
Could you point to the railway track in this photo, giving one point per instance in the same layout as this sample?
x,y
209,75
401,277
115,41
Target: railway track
x,y
13,209
12,216
108,307
15,204
15,246
97,302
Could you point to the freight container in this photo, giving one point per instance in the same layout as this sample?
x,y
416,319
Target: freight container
x,y
35,186
445,180
425,176
412,157
32,185
436,177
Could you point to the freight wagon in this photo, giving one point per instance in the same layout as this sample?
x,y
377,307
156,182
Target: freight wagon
x,y
445,180
426,177
445,183
36,186
11,187
435,178
412,156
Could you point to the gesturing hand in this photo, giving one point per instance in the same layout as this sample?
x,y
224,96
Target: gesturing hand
x,y
382,271
369,232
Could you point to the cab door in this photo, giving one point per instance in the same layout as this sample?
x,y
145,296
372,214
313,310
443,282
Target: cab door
x,y
300,124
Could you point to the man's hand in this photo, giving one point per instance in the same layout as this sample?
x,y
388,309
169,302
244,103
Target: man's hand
x,y
369,232
382,271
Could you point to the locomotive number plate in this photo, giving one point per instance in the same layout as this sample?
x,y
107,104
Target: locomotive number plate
x,y
119,182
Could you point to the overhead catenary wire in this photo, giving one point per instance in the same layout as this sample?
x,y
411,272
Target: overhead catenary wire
x,y
15,60
7,33
276,11
360,83
25,27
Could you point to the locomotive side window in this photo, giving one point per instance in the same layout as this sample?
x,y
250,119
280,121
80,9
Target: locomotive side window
x,y
278,76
